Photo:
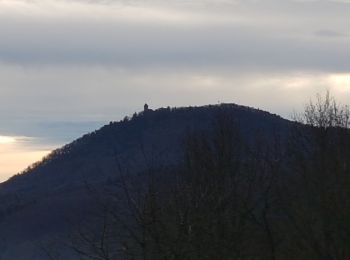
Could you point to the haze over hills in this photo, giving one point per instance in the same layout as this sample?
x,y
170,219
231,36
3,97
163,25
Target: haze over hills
x,y
51,198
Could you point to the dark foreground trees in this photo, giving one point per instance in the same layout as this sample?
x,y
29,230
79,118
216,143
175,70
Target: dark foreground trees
x,y
233,197
215,208
317,189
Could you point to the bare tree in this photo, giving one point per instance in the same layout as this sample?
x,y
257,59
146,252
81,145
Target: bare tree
x,y
319,182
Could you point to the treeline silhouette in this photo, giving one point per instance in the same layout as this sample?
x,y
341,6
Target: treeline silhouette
x,y
284,196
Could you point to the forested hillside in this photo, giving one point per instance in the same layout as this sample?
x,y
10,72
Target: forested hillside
x,y
212,182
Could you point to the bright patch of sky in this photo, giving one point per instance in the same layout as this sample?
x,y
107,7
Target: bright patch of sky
x,y
16,155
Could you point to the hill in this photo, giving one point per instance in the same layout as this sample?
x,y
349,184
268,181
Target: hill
x,y
51,197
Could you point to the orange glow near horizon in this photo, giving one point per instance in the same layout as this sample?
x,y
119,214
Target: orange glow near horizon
x,y
7,139
15,156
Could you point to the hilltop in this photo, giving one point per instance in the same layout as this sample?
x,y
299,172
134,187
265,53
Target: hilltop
x,y
50,198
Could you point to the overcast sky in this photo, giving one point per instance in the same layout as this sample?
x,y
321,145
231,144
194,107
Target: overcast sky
x,y
68,66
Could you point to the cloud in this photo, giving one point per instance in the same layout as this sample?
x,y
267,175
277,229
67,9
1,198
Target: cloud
x,y
329,33
56,52
110,11
252,35
96,94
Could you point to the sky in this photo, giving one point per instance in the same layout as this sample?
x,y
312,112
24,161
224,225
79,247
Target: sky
x,y
69,66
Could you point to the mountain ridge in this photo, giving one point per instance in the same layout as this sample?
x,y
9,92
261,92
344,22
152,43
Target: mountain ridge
x,y
58,184
158,114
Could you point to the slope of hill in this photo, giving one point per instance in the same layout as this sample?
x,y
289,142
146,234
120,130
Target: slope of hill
x,y
51,197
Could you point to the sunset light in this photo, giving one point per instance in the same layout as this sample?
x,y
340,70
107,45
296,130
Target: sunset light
x,y
7,139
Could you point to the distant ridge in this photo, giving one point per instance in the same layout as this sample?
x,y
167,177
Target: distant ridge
x,y
139,123
54,190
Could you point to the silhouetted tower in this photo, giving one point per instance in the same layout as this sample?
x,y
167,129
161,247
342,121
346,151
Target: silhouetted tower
x,y
145,108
